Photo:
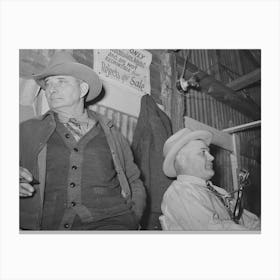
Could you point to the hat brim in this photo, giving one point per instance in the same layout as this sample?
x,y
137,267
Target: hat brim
x,y
76,70
168,164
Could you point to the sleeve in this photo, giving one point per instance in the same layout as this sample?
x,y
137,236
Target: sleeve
x,y
138,193
181,209
24,141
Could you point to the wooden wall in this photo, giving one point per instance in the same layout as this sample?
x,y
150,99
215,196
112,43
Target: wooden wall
x,y
124,122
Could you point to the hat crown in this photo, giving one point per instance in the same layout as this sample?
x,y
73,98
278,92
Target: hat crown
x,y
63,63
176,142
61,57
172,139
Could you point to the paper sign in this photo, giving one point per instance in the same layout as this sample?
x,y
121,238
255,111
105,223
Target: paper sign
x,y
129,67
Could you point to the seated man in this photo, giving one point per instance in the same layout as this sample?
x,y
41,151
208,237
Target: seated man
x,y
192,202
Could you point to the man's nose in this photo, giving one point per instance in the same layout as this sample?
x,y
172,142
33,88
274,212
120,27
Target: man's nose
x,y
210,157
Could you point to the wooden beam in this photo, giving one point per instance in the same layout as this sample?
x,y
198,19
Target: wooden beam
x,y
220,138
242,127
238,62
166,83
220,91
245,80
235,161
177,99
254,57
216,67
227,96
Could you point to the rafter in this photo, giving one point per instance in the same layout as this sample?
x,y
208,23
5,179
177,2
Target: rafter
x,y
221,92
245,80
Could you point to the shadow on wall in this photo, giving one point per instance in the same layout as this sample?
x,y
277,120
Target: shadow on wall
x,y
253,192
223,174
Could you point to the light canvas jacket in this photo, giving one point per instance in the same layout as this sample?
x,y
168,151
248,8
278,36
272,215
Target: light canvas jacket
x,y
189,205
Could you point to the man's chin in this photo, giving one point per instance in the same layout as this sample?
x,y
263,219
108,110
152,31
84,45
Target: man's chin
x,y
211,173
56,106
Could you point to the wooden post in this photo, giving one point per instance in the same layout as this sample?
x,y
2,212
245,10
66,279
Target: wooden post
x,y
216,64
235,160
177,99
238,62
166,83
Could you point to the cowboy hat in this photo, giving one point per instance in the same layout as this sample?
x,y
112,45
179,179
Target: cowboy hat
x,y
63,63
176,142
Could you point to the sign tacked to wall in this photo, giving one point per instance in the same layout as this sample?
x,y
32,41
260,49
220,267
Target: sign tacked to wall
x,y
129,67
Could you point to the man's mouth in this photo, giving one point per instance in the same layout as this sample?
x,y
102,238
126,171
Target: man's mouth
x,y
209,166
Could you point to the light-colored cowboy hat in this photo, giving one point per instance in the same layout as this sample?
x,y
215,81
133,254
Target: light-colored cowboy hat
x,y
63,63
176,142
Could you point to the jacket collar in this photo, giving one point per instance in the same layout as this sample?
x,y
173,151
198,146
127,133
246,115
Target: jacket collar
x,y
48,114
100,118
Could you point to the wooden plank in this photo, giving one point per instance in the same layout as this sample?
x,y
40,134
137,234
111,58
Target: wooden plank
x,y
166,82
155,67
156,55
245,80
227,96
220,138
155,84
234,168
235,160
154,74
216,64
220,91
238,62
177,99
242,127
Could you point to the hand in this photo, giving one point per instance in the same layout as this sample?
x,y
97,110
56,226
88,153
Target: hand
x,y
25,177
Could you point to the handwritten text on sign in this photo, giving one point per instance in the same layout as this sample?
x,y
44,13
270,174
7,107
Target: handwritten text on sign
x,y
130,67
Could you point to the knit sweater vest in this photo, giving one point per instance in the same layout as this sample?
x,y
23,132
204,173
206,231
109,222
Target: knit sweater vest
x,y
81,183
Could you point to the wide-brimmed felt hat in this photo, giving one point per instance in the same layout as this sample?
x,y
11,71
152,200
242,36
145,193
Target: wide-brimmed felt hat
x,y
176,142
63,63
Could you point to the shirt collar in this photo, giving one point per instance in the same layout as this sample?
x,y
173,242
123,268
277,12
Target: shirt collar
x,y
191,179
64,118
87,117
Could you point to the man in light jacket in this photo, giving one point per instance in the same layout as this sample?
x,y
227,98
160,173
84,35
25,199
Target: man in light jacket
x,y
192,202
76,169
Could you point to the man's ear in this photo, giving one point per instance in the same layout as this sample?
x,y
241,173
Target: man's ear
x,y
178,158
181,158
84,89
178,163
